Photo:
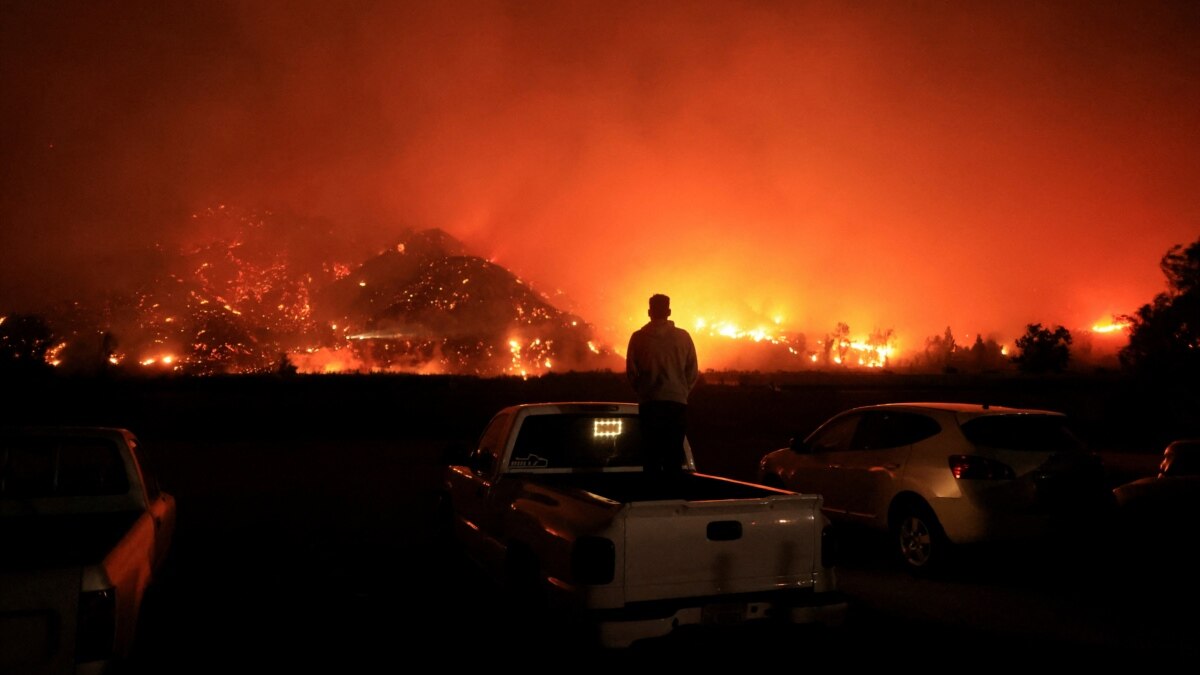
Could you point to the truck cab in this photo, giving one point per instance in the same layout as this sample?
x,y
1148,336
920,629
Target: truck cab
x,y
86,528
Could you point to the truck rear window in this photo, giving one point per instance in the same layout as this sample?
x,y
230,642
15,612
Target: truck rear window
x,y
585,441
60,467
1035,433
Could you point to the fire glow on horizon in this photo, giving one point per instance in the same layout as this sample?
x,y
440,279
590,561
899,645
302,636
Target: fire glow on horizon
x,y
887,167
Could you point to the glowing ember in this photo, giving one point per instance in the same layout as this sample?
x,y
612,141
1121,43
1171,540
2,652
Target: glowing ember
x,y
52,354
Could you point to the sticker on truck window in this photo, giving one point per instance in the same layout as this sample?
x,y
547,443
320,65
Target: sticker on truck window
x,y
528,462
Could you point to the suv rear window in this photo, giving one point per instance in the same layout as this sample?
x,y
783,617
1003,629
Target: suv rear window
x,y
1034,433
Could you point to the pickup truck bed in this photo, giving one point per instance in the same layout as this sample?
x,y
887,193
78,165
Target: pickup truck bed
x,y
554,503
62,540
624,488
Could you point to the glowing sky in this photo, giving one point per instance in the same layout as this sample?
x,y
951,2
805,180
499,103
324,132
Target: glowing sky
x,y
889,165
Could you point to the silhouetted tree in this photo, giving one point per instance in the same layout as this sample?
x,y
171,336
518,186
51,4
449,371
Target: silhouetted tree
x,y
285,367
1165,335
223,343
24,341
836,344
939,351
1043,350
880,339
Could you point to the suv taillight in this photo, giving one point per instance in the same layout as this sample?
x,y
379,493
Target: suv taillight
x,y
972,467
96,625
593,560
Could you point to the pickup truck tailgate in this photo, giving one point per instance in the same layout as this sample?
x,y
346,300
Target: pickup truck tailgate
x,y
700,548
36,610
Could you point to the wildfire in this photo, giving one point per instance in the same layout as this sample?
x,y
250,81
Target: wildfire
x,y
166,360
729,329
322,361
875,351
1111,327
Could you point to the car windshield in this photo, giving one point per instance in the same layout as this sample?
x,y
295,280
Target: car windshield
x,y
1033,433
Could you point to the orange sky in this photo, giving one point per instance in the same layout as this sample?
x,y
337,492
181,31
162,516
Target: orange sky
x,y
881,164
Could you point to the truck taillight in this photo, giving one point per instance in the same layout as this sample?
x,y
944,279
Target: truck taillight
x,y
593,560
973,467
96,625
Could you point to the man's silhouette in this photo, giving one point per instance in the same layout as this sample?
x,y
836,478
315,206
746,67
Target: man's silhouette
x,y
661,365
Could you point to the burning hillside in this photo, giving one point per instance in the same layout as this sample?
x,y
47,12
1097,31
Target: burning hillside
x,y
267,293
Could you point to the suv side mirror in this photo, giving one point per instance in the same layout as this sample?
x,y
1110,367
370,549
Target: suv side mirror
x,y
796,444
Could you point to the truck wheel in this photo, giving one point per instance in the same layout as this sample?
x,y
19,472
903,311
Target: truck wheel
x,y
522,579
443,517
921,542
443,535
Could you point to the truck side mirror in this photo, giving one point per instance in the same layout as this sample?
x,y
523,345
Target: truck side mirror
x,y
796,444
481,463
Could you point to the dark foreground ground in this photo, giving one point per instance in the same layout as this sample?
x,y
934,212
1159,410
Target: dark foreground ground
x,y
304,534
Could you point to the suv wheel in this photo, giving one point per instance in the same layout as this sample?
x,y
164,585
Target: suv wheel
x,y
922,544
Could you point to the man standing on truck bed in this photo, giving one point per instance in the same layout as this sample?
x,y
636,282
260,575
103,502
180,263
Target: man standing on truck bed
x,y
661,365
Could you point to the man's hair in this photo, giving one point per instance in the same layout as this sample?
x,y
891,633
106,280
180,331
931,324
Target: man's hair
x,y
660,306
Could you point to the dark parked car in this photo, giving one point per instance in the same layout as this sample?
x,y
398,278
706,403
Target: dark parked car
x,y
1169,500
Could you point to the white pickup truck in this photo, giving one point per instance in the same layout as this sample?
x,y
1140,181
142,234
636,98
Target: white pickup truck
x,y
84,528
554,502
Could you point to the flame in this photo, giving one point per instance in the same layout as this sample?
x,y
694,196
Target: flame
x,y
729,329
1111,327
322,361
52,354
167,360
869,352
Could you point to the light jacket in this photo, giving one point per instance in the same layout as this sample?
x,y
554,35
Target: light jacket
x,y
661,362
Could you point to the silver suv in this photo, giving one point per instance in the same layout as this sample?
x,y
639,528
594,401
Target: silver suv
x,y
934,474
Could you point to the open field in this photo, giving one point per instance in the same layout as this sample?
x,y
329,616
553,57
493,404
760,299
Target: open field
x,y
733,416
304,535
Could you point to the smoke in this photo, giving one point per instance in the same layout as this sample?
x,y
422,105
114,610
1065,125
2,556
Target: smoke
x,y
881,165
